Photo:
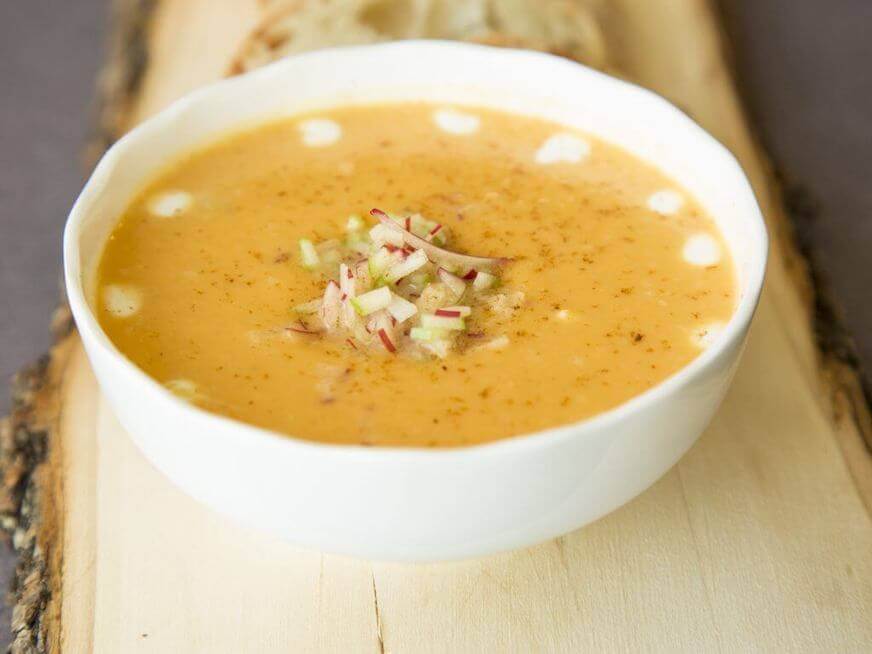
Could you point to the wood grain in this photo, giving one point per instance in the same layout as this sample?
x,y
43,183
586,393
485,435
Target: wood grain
x,y
758,540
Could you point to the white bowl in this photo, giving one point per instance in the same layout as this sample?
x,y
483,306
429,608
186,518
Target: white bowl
x,y
421,504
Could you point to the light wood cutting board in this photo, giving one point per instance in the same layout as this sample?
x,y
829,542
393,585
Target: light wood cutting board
x,y
760,539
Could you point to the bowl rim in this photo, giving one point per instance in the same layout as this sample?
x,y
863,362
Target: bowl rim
x,y
731,335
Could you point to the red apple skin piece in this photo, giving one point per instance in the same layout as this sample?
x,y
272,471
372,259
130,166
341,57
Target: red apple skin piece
x,y
386,341
302,329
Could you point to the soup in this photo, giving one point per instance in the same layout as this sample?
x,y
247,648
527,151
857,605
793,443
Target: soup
x,y
412,275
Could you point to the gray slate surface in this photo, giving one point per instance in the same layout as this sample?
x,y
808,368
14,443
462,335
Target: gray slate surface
x,y
805,65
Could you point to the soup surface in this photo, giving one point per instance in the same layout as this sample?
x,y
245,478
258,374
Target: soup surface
x,y
217,279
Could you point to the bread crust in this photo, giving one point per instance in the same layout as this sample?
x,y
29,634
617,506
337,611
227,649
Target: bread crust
x,y
569,28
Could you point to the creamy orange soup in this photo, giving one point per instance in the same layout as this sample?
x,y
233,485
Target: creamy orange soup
x,y
600,276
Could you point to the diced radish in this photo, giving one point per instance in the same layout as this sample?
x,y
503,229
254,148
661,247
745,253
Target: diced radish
x,y
382,235
431,321
308,307
308,254
372,301
401,309
355,223
410,264
457,285
470,275
454,312
330,305
386,341
484,281
436,253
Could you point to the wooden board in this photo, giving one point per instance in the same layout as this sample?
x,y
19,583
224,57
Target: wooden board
x,y
760,539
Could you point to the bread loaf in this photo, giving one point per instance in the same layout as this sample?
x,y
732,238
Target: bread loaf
x,y
567,27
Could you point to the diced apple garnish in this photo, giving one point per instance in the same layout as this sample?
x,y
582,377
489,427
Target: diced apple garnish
x,y
329,251
483,281
354,223
331,305
410,264
504,304
453,282
392,274
427,229
435,341
382,235
437,254
348,315
308,254
418,281
372,301
431,235
498,343
308,307
454,312
432,321
401,309
387,341
301,328
379,262
434,296
426,334
362,277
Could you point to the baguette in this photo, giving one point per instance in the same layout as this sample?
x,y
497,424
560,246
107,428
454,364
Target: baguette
x,y
569,28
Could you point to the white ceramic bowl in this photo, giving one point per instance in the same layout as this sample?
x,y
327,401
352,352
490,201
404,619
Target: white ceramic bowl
x,y
421,504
